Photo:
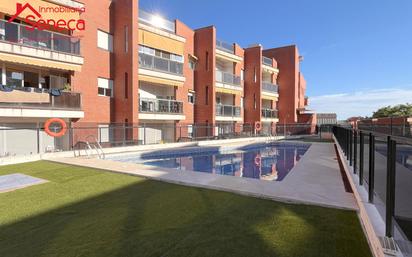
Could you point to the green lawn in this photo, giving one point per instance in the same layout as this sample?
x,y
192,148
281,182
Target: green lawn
x,y
84,212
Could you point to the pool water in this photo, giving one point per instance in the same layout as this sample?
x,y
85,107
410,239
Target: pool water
x,y
266,162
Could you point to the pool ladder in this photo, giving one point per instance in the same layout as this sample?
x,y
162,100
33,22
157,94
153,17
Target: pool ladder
x,y
92,148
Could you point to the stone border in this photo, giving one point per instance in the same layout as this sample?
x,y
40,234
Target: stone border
x,y
366,209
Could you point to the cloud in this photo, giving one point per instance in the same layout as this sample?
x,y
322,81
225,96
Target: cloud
x,y
360,103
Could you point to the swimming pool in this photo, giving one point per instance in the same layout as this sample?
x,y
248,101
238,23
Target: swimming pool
x,y
263,161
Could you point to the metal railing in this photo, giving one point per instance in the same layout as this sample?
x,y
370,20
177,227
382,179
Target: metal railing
x,y
269,113
28,139
382,163
267,61
160,106
270,88
159,64
226,47
29,96
228,78
156,21
27,36
227,110
395,129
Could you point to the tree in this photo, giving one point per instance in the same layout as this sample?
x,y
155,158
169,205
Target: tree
x,y
399,110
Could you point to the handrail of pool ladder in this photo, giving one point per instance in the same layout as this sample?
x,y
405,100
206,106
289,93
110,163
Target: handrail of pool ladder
x,y
86,149
96,146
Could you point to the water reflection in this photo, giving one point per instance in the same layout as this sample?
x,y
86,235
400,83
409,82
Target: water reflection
x,y
269,163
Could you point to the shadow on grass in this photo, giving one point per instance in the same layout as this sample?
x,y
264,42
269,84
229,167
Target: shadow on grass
x,y
150,218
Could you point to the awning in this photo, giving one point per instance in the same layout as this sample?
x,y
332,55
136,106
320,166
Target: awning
x,y
161,81
228,91
160,42
193,57
44,8
269,97
38,62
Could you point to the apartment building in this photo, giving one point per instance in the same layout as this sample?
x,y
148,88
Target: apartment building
x,y
136,77
37,67
166,77
261,89
292,87
219,82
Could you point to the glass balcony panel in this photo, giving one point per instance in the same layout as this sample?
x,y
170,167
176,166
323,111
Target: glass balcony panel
x,y
25,35
270,88
160,106
159,64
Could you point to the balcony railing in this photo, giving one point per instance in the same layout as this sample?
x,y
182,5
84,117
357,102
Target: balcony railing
x,y
227,110
159,64
160,106
270,88
267,61
27,36
228,78
269,113
156,21
229,48
33,98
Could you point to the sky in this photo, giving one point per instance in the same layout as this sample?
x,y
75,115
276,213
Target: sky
x,y
357,53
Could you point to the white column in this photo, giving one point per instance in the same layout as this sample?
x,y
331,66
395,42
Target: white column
x,y
40,86
3,74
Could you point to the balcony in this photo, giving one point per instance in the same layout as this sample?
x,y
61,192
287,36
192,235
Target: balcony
x,y
228,81
225,47
156,21
35,102
160,106
269,113
154,63
160,109
27,36
270,88
36,45
267,61
227,111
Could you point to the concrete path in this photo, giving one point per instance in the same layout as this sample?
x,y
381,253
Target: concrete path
x,y
315,179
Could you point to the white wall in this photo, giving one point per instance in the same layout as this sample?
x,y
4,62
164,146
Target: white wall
x,y
153,91
23,141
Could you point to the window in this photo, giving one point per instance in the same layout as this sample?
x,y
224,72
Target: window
x,y
57,81
190,130
161,54
104,41
126,38
104,134
191,97
105,87
242,74
14,78
241,102
254,74
207,60
254,101
126,85
192,65
207,95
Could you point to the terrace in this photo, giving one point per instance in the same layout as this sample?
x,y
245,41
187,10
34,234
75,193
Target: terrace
x,y
29,43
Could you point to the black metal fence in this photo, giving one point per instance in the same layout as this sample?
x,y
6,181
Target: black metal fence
x,y
394,126
29,139
383,164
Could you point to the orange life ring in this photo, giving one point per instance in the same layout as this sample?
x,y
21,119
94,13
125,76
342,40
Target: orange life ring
x,y
52,133
258,160
258,126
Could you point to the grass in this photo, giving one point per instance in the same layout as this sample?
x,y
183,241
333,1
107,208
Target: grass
x,y
86,212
